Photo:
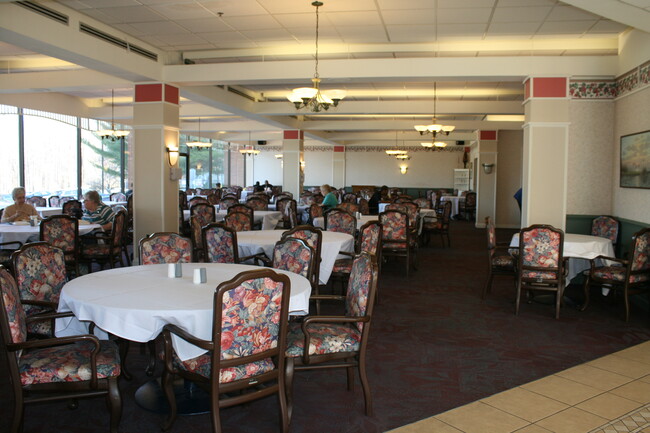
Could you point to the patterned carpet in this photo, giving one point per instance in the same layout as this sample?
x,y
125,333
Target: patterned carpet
x,y
435,345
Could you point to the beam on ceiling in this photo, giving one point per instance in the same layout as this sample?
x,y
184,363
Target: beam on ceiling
x,y
59,81
619,11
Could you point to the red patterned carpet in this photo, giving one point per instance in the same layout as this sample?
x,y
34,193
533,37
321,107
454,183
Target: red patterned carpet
x,y
434,346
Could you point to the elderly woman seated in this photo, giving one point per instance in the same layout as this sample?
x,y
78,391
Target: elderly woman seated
x,y
97,212
19,211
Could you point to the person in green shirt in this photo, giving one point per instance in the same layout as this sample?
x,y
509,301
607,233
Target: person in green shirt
x,y
330,201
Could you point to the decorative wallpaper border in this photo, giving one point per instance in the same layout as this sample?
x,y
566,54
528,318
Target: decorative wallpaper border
x,y
450,148
610,89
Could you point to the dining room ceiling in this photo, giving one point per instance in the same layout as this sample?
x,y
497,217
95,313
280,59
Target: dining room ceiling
x,y
236,60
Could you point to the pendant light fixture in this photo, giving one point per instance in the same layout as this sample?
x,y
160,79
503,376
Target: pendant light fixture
x,y
199,143
434,128
112,134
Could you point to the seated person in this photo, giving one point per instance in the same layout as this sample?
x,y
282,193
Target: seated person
x,y
379,196
257,187
19,211
96,212
329,201
267,186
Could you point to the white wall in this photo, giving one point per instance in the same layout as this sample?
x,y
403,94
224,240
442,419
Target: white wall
x,y
318,167
509,165
265,167
590,169
632,115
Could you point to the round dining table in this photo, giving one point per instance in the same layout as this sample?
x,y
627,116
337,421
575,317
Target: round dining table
x,y
136,302
22,231
263,241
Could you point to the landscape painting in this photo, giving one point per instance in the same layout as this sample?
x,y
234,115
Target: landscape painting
x,y
635,160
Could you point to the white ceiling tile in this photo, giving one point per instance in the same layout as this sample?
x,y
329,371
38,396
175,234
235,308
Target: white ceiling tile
x,y
407,17
103,17
520,14
297,20
524,29
266,36
400,4
204,46
607,26
254,22
74,4
160,27
160,2
412,33
464,16
183,11
308,34
346,6
354,18
465,30
362,34
565,27
224,37
527,3
204,25
130,29
131,14
234,8
638,3
444,4
569,13
115,3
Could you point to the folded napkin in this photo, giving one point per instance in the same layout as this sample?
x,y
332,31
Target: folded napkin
x,y
21,223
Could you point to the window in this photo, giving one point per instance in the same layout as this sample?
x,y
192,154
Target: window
x,y
102,161
9,175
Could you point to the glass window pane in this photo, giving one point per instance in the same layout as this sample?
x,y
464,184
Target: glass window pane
x,y
219,163
9,175
236,168
101,159
50,155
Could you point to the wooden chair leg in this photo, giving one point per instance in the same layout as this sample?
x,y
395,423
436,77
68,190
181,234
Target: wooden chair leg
x,y
168,388
114,400
585,289
365,385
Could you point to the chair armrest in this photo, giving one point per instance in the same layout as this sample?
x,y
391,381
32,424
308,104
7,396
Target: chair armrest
x,y
259,257
324,319
173,329
326,298
49,315
45,304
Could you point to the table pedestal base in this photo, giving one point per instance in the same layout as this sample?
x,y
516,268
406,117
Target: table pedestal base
x,y
190,399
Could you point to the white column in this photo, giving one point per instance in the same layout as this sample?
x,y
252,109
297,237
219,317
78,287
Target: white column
x,y
293,162
545,156
155,194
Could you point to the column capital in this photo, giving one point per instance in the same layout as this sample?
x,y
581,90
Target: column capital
x,y
546,87
294,134
156,92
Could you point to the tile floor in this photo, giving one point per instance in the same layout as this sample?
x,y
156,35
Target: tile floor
x,y
608,395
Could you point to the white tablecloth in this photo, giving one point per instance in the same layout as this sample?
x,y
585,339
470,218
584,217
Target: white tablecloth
x,y
20,233
258,241
114,203
320,221
579,249
49,211
136,302
454,202
269,219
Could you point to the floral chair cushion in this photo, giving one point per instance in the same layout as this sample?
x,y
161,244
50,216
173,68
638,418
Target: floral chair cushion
x,y
350,207
605,227
204,213
394,227
370,238
503,261
68,363
640,259
220,245
315,211
356,300
617,273
98,250
226,202
61,233
325,338
364,207
14,312
202,365
541,248
40,275
238,221
341,222
291,255
342,266
166,248
257,203
536,275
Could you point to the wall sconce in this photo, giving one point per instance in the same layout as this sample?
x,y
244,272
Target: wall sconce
x,y
172,155
487,168
403,168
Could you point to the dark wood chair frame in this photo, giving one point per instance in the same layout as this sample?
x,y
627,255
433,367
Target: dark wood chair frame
x,y
499,248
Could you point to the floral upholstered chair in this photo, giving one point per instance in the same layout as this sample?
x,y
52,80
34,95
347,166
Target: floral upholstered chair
x,y
422,203
165,247
314,238
628,276
72,207
201,214
500,261
364,207
54,201
257,202
340,221
238,221
468,207
62,231
605,226
288,207
111,250
196,200
219,244
338,341
37,201
117,196
294,255
55,368
396,237
247,349
349,207
439,225
182,200
541,265
315,211
40,275
226,202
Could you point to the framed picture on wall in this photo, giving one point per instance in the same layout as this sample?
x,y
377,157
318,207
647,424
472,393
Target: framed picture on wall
x,y
635,160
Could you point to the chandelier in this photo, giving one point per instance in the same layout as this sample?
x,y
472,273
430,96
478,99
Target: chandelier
x,y
434,145
398,153
249,150
112,134
312,97
199,143
434,128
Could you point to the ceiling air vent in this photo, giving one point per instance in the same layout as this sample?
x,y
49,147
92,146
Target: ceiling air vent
x,y
145,53
240,93
44,11
85,28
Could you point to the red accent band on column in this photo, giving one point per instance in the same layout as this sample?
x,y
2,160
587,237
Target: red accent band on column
x,y
339,148
487,135
527,89
549,87
291,134
171,94
148,92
